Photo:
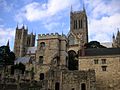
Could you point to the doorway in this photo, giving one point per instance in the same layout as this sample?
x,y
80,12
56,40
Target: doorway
x,y
83,86
57,86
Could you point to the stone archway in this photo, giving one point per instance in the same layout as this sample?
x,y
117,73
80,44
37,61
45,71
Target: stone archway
x,y
72,62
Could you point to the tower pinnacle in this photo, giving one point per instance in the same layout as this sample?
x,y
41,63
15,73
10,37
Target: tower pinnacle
x,y
17,26
71,9
7,43
84,6
113,36
23,27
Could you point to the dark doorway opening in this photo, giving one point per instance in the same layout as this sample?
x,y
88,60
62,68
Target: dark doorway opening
x,y
72,60
42,76
57,86
73,89
83,86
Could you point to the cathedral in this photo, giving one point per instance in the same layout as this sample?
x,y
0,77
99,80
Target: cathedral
x,y
62,62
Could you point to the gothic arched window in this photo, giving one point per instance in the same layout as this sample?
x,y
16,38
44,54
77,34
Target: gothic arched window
x,y
71,40
75,24
80,23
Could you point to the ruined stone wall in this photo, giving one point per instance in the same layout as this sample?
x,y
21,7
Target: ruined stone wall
x,y
74,80
71,80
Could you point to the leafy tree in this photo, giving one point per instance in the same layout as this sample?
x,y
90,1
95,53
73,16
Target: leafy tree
x,y
6,56
94,44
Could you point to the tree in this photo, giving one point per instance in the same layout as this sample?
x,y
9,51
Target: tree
x,y
94,44
6,56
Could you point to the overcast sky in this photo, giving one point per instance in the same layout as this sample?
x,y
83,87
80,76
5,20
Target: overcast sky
x,y
46,16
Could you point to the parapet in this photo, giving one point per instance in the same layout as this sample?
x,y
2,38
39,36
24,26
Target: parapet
x,y
50,35
77,12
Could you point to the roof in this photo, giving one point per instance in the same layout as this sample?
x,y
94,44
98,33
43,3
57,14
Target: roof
x,y
31,50
101,51
23,60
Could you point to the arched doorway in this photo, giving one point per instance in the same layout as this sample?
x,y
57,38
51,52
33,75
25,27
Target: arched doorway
x,y
72,62
83,86
57,86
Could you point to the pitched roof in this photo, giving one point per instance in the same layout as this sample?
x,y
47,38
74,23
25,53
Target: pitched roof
x,y
101,51
23,60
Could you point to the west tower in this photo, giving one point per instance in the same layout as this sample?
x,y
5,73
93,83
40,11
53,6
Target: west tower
x,y
23,40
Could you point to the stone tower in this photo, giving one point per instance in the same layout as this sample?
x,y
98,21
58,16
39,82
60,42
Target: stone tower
x,y
51,47
22,41
78,34
31,40
51,52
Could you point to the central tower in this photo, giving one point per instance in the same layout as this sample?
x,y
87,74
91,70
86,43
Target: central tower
x,y
78,34
77,37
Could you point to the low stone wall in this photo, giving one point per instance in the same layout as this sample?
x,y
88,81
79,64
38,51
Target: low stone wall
x,y
21,86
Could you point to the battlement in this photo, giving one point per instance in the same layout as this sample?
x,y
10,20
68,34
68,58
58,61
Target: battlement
x,y
31,34
51,35
77,12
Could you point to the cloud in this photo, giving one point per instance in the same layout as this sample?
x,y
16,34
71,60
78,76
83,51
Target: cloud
x,y
104,19
5,35
50,14
101,37
100,8
37,11
26,1
54,24
7,7
103,15
1,22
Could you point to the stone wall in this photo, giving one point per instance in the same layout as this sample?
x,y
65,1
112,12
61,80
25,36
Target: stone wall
x,y
105,80
71,80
